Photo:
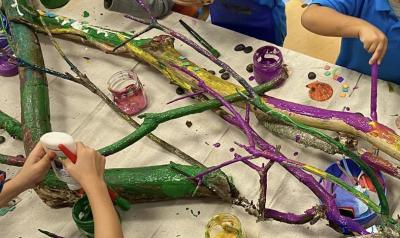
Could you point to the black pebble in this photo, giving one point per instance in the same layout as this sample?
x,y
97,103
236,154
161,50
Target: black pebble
x,y
221,71
180,91
225,76
249,68
211,72
312,76
189,124
248,49
2,139
239,47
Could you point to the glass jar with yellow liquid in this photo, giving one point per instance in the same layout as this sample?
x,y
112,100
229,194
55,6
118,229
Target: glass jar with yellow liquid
x,y
224,225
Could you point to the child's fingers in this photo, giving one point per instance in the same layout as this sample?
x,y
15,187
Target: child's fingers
x,y
37,153
383,53
67,163
45,161
372,48
378,54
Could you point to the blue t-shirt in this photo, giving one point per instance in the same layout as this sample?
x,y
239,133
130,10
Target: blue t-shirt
x,y
262,19
380,14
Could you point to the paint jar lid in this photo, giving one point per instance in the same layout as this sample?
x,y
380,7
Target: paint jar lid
x,y
54,3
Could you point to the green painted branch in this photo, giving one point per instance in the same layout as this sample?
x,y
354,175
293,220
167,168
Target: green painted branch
x,y
12,126
154,183
34,93
152,120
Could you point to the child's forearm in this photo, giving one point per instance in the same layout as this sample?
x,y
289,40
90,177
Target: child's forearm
x,y
328,22
106,221
10,190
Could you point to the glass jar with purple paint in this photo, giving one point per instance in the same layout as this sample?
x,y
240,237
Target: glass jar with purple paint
x,y
127,92
267,64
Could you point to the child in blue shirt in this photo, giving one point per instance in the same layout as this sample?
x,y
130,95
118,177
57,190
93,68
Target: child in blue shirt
x,y
262,19
370,31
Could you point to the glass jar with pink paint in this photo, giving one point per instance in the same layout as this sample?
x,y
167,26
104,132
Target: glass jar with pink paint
x,y
128,92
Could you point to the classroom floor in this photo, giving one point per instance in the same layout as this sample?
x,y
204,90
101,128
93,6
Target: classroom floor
x,y
303,41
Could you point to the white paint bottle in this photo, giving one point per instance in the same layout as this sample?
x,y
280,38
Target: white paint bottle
x,y
51,142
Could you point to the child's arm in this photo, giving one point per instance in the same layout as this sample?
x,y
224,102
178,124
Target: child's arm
x,y
328,22
89,171
32,173
193,2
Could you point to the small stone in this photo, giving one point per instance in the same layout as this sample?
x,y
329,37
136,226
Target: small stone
x,y
345,85
231,149
327,73
249,68
181,57
297,138
345,90
211,72
251,78
180,91
216,145
239,47
186,63
196,69
189,124
2,139
312,75
342,95
347,108
221,71
340,79
248,49
225,76
296,153
327,67
85,14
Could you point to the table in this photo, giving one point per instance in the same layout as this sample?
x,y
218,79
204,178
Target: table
x,y
76,111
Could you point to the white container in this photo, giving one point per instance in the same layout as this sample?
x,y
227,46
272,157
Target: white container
x,y
50,142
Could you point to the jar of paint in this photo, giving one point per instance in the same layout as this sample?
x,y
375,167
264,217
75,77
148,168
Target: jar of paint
x,y
348,205
127,92
267,64
51,4
224,225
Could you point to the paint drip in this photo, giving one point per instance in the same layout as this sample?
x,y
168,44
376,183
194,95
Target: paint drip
x,y
320,91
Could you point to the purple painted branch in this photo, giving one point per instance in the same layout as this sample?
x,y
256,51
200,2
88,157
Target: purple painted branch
x,y
291,218
332,213
238,158
246,128
374,91
247,115
186,96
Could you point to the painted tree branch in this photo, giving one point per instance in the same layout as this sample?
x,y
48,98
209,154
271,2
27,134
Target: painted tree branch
x,y
86,82
12,126
17,161
154,53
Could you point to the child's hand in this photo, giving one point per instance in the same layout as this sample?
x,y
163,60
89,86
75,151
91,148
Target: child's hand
x,y
375,42
193,2
89,166
35,168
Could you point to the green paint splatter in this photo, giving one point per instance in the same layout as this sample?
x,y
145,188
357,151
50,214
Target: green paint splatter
x,y
86,14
